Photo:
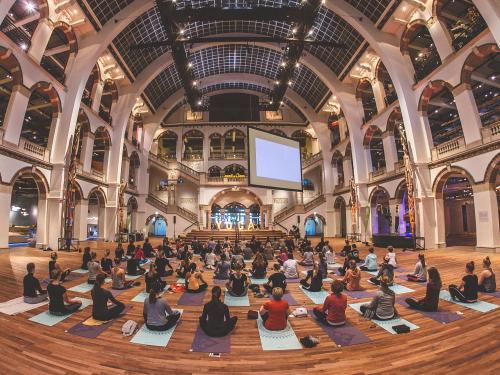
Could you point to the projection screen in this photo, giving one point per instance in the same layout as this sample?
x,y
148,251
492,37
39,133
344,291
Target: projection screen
x,y
273,161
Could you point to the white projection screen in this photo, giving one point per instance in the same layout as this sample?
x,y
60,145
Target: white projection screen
x,y
273,161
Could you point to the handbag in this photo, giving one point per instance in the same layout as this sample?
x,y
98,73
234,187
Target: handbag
x,y
129,328
252,315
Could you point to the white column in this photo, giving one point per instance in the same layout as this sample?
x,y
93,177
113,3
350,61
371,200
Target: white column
x,y
105,164
14,116
335,176
41,224
390,151
40,39
54,220
490,10
379,94
469,115
87,149
486,212
5,6
440,39
440,223
80,222
96,100
206,152
368,158
5,201
125,170
347,170
179,148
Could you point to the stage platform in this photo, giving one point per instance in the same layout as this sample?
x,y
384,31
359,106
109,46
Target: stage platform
x,y
395,240
260,234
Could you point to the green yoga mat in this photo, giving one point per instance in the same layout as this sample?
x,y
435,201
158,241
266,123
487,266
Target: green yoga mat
x,y
82,288
316,297
277,340
153,338
236,301
47,319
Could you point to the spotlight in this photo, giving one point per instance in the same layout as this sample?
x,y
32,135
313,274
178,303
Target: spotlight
x,y
190,65
30,7
24,46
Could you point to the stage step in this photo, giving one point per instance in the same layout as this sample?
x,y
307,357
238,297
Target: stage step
x,y
261,235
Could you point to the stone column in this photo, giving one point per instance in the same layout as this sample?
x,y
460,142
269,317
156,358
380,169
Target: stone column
x,y
41,224
179,148
40,39
440,38
490,11
86,153
125,169
14,116
390,151
347,170
469,115
96,100
5,202
80,220
368,158
379,94
486,212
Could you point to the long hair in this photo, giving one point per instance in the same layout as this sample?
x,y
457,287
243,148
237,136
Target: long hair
x,y
434,277
259,260
421,258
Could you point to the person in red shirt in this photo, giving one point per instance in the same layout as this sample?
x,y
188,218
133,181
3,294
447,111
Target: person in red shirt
x,y
139,253
275,312
333,310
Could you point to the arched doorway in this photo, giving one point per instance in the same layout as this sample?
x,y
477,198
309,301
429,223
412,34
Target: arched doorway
x,y
27,218
373,141
97,215
314,225
235,205
167,145
380,212
401,214
340,217
157,226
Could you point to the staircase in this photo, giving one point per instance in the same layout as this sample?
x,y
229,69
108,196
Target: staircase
x,y
299,209
261,234
171,209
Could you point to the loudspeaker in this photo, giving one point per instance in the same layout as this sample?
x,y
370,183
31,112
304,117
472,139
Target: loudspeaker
x,y
175,219
298,219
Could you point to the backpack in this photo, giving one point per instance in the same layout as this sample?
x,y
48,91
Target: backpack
x,y
129,327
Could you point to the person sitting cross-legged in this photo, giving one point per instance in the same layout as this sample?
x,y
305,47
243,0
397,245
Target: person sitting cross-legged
x,y
32,290
275,313
215,319
157,313
100,298
237,286
381,306
276,280
59,302
314,280
333,310
431,300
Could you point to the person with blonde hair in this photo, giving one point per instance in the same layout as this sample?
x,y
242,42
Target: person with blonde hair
x,y
275,313
381,306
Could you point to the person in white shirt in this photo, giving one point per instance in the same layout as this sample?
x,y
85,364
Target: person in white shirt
x,y
392,256
370,263
307,258
330,258
210,260
291,269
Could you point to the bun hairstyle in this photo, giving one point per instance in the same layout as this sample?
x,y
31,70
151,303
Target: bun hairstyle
x,y
421,257
216,293
487,262
53,255
470,266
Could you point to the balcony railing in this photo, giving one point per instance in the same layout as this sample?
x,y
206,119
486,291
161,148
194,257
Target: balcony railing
x,y
34,149
192,157
491,132
96,173
377,173
448,148
236,155
312,159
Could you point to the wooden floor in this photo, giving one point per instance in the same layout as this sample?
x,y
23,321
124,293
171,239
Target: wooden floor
x,y
469,345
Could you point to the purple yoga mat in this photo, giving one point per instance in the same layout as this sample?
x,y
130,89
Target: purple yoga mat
x,y
206,344
345,335
441,316
358,294
117,292
287,297
402,270
292,281
494,294
91,332
191,299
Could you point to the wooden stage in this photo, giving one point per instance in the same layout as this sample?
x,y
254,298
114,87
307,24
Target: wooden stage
x,y
469,345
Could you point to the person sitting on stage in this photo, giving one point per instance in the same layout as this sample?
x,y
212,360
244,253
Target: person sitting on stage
x,y
259,267
237,286
352,278
133,266
392,256
223,268
210,259
237,259
32,290
291,267
100,298
194,281
276,280
59,302
85,258
215,319
307,257
431,300
162,263
467,290
385,270
487,281
332,312
186,266
147,248
106,262
119,252
419,275
381,306
94,268
153,279
54,265
157,313
118,280
131,248
370,263
316,280
275,313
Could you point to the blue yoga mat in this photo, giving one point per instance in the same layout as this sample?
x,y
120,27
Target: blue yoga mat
x,y
258,281
80,270
153,338
317,297
400,289
480,306
277,340
385,324
82,288
132,277
181,280
236,301
142,296
47,319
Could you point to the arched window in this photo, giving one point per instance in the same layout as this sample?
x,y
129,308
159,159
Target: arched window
x,y
134,166
393,123
234,144
96,217
438,103
10,77
373,140
109,97
215,146
381,213
418,44
338,165
364,91
481,73
334,126
234,170
167,145
214,171
462,20
60,48
100,151
389,90
305,140
193,145
41,114
279,132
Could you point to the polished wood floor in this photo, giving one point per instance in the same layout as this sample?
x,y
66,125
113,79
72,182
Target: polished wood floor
x,y
469,345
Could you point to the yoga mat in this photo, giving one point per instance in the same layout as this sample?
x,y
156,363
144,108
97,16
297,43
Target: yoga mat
x,y
154,338
142,296
293,281
441,316
202,343
277,340
287,297
17,305
316,297
325,280
91,332
344,335
385,324
480,306
117,292
220,282
356,294
373,273
494,294
132,277
400,289
82,288
333,266
191,299
50,320
402,270
258,281
236,301
80,270
181,280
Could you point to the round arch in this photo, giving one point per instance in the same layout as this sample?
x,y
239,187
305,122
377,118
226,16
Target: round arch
x,y
381,216
37,175
249,197
475,58
440,179
314,225
10,62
